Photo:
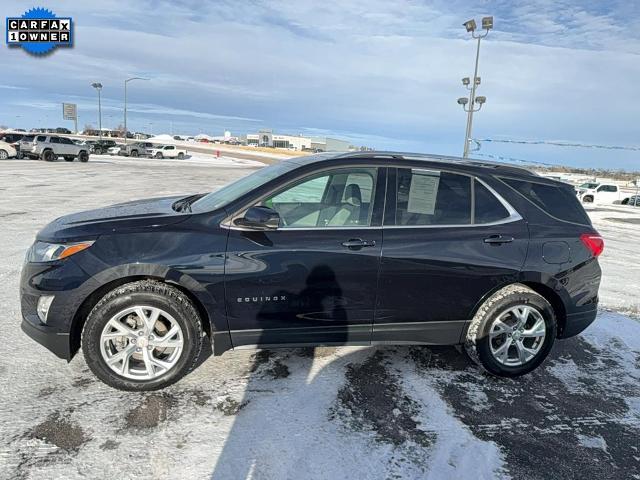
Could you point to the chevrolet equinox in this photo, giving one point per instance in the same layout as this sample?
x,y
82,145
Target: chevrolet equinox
x,y
331,249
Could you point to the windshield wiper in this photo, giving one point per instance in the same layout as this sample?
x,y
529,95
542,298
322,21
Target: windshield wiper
x,y
184,204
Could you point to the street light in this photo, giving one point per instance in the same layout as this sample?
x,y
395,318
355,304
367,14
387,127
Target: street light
x,y
470,25
125,103
98,87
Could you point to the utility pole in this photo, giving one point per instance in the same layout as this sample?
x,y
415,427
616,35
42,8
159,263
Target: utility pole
x,y
472,101
125,103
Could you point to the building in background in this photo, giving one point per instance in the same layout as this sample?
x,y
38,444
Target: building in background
x,y
266,138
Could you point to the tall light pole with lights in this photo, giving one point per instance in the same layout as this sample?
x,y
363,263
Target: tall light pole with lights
x,y
98,87
125,103
473,103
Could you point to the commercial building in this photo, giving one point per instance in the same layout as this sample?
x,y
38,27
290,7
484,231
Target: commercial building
x,y
266,138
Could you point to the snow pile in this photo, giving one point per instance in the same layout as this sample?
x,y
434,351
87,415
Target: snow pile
x,y
161,138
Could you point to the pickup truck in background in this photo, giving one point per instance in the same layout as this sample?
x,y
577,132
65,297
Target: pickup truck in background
x,y
167,151
128,150
599,193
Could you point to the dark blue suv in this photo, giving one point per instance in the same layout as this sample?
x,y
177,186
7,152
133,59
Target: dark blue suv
x,y
343,249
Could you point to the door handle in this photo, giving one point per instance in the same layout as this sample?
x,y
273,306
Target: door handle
x,y
358,243
498,239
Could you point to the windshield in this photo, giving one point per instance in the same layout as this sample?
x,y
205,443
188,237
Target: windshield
x,y
589,185
228,193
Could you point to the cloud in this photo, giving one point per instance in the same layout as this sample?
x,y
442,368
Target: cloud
x,y
384,73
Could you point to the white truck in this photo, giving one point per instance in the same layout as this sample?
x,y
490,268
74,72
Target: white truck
x,y
167,151
593,192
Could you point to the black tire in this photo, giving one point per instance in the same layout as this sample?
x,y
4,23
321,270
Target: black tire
x,y
180,155
477,344
625,201
97,151
83,156
134,153
587,199
69,159
49,156
153,294
159,155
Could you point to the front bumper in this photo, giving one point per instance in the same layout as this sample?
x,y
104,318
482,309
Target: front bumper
x,y
70,286
56,342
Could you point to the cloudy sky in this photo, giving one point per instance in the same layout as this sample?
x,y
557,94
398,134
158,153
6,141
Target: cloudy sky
x,y
381,73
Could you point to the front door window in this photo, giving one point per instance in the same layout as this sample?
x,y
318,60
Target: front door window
x,y
338,198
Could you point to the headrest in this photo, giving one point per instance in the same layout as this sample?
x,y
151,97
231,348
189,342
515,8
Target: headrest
x,y
352,195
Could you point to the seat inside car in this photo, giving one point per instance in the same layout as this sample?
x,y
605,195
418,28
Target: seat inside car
x,y
349,211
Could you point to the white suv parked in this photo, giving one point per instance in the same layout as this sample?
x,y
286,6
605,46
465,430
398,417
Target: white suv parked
x,y
50,147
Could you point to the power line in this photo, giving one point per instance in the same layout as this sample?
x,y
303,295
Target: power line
x,y
558,144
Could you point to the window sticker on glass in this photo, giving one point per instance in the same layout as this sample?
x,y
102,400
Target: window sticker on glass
x,y
423,192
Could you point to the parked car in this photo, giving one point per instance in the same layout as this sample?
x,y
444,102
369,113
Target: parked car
x,y
99,147
25,143
632,200
63,130
344,249
599,193
12,138
7,150
128,150
50,147
167,151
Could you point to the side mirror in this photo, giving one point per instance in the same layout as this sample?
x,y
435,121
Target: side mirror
x,y
259,218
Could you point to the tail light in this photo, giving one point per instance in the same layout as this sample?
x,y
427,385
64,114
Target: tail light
x,y
593,242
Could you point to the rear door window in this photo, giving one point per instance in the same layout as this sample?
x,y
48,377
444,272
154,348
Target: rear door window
x,y
432,197
559,201
488,208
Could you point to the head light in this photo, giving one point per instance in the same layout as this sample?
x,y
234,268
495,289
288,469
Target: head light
x,y
49,252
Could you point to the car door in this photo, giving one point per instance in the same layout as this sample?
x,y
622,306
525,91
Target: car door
x,y
449,240
607,194
313,280
169,151
67,147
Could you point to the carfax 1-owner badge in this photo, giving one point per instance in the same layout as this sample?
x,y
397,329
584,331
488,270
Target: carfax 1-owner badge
x,y
39,31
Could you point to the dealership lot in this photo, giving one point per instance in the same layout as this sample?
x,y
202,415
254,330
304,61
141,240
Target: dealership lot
x,y
403,412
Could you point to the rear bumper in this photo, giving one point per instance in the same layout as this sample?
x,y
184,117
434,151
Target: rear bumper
x,y
56,342
577,322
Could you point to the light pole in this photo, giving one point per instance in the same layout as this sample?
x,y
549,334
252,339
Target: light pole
x,y
98,87
125,103
470,25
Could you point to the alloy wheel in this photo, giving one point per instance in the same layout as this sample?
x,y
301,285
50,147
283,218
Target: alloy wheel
x,y
517,335
141,342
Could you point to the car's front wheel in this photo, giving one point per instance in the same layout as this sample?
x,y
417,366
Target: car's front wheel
x,y
143,335
159,155
3,154
512,332
83,156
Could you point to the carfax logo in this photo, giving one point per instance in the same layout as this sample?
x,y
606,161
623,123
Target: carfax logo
x,y
39,31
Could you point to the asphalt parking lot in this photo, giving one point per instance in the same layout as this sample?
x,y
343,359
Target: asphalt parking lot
x,y
384,412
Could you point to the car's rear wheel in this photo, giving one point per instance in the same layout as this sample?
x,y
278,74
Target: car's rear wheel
x,y
143,335
83,156
3,154
134,153
180,155
512,332
49,156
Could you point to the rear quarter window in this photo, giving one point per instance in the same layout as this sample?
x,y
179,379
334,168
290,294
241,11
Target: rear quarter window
x,y
557,200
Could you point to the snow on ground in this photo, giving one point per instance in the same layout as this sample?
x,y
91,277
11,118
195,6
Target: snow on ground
x,y
378,413
191,159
